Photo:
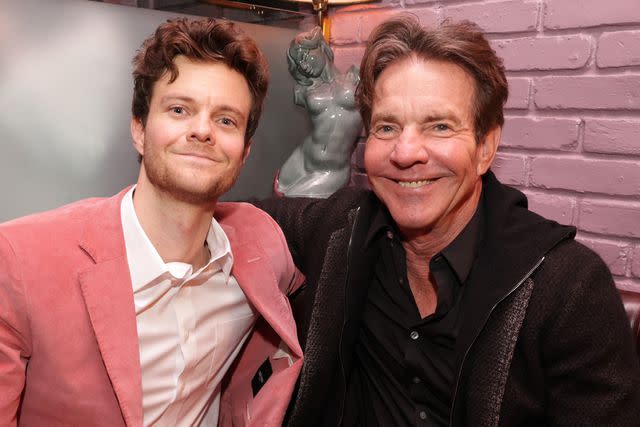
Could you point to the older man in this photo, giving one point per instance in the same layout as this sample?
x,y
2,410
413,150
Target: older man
x,y
439,299
131,310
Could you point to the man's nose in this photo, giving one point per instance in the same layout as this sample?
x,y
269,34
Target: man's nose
x,y
410,148
201,129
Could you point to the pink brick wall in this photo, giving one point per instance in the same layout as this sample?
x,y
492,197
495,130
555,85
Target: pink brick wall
x,y
572,137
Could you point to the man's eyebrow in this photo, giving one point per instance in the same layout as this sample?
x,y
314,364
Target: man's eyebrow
x,y
441,116
384,117
182,98
427,118
231,109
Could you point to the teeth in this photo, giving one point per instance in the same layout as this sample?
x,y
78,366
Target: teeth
x,y
415,184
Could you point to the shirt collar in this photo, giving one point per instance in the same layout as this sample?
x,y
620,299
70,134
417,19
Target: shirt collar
x,y
146,265
381,223
220,248
460,253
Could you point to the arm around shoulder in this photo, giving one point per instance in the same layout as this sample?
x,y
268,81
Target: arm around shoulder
x,y
299,219
290,278
307,223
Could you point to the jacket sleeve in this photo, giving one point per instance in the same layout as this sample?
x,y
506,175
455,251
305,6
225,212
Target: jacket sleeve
x,y
14,332
300,220
308,223
591,370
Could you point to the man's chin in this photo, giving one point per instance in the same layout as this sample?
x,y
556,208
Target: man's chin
x,y
196,196
189,189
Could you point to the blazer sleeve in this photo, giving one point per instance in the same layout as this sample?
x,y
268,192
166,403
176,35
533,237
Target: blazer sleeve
x,y
14,335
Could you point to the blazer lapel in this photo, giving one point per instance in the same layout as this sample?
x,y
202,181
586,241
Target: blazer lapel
x,y
107,291
252,269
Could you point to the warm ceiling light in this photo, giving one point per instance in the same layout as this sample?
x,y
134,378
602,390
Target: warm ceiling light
x,y
321,6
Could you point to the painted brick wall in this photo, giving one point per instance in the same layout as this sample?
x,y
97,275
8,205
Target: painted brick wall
x,y
571,140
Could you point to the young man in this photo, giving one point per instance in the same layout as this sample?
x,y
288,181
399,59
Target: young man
x,y
130,310
439,298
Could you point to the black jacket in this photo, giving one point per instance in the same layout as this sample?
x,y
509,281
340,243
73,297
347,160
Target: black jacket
x,y
544,338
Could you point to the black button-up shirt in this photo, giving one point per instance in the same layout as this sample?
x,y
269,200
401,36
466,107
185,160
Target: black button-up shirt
x,y
404,366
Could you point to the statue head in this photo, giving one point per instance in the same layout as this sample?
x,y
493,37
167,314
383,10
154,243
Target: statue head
x,y
309,56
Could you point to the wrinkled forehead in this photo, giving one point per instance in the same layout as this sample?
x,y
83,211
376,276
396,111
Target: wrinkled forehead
x,y
427,75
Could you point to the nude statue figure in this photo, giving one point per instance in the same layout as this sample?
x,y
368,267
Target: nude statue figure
x,y
322,163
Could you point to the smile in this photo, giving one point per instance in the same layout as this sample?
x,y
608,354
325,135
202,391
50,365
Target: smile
x,y
415,184
196,156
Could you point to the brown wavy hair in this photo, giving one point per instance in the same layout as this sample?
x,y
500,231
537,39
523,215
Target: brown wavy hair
x,y
461,43
204,40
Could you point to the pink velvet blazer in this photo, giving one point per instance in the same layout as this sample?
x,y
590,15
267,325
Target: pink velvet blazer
x,y
68,337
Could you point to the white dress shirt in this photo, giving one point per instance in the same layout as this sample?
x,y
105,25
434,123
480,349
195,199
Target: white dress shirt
x,y
191,325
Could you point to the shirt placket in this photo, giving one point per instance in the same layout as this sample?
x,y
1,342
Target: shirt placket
x,y
416,386
186,321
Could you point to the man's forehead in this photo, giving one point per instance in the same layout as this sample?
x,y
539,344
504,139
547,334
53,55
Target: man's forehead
x,y
207,69
435,88
203,82
428,70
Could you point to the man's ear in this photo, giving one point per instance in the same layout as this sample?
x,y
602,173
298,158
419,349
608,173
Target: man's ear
x,y
487,149
137,134
247,150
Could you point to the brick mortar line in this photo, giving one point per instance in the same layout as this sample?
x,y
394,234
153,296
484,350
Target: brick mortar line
x,y
571,155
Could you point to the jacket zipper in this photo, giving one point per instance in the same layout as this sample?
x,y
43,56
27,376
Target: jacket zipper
x,y
344,318
466,353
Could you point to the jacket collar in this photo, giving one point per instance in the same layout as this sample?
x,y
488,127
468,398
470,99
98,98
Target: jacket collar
x,y
107,292
514,241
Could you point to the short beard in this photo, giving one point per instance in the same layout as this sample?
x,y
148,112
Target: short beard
x,y
162,179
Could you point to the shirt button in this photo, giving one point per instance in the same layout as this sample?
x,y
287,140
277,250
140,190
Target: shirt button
x,y
416,380
422,415
390,234
414,335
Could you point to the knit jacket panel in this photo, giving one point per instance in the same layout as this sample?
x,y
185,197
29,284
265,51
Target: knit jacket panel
x,y
574,363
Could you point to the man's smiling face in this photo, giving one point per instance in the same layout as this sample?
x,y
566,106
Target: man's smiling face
x,y
421,156
193,142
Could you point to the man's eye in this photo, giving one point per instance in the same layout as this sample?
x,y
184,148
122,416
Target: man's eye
x,y
441,127
177,110
227,121
385,131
